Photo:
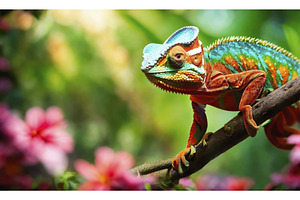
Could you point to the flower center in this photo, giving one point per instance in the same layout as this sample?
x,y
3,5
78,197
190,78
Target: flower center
x,y
104,180
35,132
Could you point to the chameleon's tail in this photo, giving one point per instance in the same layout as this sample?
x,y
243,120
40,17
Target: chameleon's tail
x,y
279,128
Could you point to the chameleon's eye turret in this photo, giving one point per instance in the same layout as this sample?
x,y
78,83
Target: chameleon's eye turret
x,y
177,57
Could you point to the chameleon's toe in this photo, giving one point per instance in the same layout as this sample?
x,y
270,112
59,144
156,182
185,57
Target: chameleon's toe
x,y
205,138
251,128
181,161
249,123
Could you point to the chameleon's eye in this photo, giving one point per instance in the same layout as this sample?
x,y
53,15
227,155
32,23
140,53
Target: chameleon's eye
x,y
177,57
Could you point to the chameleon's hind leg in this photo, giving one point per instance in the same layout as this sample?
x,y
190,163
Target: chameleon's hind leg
x,y
197,134
278,130
251,92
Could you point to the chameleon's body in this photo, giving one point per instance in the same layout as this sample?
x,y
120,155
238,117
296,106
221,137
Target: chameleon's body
x,y
230,74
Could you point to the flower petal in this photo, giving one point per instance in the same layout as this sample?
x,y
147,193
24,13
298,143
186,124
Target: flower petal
x,y
59,138
128,181
54,116
294,139
4,113
295,155
122,161
87,170
104,156
35,117
186,182
14,126
92,185
54,159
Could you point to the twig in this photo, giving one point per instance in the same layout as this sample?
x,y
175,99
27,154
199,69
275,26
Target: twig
x,y
148,168
235,132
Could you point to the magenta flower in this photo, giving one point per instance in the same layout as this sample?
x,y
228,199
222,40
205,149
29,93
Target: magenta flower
x,y
295,152
290,179
186,182
211,182
42,138
4,63
110,172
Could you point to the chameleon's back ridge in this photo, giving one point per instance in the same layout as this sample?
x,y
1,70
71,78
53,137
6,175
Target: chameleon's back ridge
x,y
230,74
253,41
245,53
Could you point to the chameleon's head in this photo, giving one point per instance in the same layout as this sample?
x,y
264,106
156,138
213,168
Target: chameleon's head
x,y
177,64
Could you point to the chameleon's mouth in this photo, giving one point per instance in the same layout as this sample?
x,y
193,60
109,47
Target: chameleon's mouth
x,y
183,81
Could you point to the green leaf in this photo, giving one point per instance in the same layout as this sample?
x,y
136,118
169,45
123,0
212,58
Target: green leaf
x,y
148,186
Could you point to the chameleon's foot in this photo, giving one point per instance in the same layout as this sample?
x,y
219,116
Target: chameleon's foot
x,y
181,161
205,138
249,123
251,128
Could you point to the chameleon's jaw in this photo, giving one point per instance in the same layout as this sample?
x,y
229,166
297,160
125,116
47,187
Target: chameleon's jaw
x,y
182,81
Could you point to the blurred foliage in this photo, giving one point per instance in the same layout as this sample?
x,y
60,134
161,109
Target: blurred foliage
x,y
87,62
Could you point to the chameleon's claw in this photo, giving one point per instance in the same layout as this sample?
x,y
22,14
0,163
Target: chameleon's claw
x,y
181,161
192,152
205,138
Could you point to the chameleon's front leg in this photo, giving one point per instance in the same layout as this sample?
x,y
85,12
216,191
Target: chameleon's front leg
x,y
197,134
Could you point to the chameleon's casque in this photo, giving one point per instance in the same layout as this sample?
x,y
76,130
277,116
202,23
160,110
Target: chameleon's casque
x,y
230,74
153,52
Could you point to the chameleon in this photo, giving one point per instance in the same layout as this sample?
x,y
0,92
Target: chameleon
x,y
230,74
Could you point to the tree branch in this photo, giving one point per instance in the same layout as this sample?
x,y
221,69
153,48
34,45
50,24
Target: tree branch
x,y
234,133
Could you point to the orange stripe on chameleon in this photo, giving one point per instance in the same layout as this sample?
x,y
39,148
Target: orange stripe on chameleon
x,y
229,60
284,73
252,64
273,73
248,64
295,75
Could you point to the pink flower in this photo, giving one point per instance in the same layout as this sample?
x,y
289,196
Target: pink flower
x,y
110,172
214,182
42,138
211,182
295,152
186,182
4,114
294,139
290,179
